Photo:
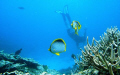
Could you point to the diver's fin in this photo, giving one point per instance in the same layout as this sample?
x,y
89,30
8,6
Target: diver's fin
x,y
65,9
59,12
57,54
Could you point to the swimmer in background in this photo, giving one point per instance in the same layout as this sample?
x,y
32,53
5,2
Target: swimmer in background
x,y
78,39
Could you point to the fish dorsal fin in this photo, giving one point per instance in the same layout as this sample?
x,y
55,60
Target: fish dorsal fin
x,y
57,54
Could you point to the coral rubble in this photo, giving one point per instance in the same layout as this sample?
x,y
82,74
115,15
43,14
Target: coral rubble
x,y
15,73
103,55
87,72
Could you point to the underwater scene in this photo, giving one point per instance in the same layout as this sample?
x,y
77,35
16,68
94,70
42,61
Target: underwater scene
x,y
59,37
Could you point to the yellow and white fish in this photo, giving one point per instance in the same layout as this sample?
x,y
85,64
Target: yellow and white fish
x,y
76,25
57,46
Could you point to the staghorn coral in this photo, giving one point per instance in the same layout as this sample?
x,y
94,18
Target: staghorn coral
x,y
103,55
87,72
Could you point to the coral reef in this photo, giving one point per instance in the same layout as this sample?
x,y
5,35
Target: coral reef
x,y
103,55
87,72
12,64
66,71
15,73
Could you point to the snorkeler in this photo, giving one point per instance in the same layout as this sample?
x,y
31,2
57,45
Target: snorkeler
x,y
78,39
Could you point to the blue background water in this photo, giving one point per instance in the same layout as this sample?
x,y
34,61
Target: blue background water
x,y
37,25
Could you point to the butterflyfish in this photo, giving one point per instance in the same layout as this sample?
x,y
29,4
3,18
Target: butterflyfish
x,y
76,26
57,46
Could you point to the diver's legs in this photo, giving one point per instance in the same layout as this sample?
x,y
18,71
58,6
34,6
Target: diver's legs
x,y
69,18
64,19
67,15
63,16
65,10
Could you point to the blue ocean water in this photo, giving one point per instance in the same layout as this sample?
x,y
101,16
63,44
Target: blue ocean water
x,y
35,27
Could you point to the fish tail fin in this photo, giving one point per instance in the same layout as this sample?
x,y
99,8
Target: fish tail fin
x,y
76,32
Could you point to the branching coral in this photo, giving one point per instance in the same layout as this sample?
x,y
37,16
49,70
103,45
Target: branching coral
x,y
104,55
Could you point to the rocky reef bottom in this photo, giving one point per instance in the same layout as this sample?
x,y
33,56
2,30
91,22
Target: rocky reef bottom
x,y
11,64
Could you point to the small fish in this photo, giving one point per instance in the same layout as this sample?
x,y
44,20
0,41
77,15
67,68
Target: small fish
x,y
21,8
76,25
57,46
18,52
73,56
